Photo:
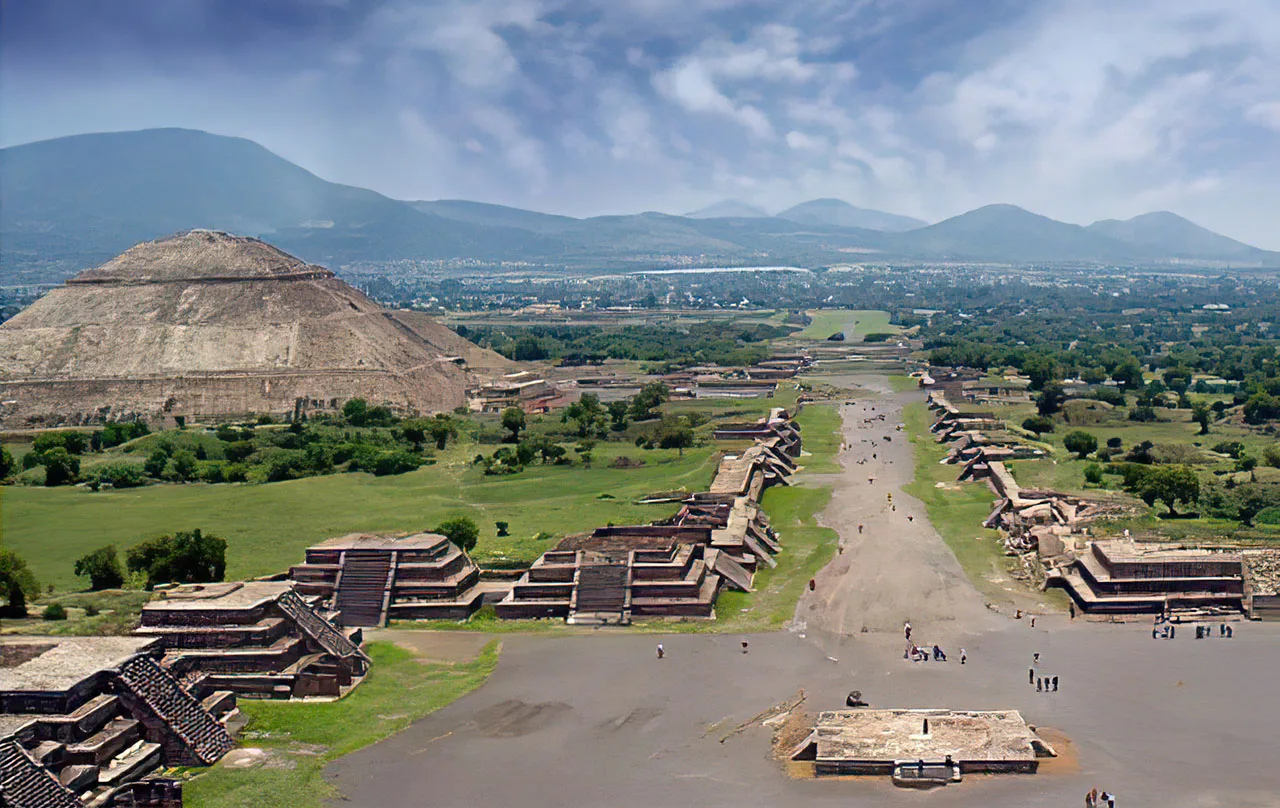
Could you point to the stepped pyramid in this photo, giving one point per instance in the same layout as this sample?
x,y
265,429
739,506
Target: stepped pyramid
x,y
207,324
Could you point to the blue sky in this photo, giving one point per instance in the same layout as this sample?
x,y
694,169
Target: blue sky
x,y
1076,109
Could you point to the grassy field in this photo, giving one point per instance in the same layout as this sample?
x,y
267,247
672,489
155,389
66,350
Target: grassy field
x,y
301,738
856,323
820,428
956,509
268,526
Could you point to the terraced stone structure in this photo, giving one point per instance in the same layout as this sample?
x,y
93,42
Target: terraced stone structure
x,y
673,568
208,325
1125,577
90,720
257,639
922,747
365,579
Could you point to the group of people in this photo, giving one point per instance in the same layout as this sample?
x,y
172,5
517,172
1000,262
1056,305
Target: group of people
x,y
1096,799
1044,684
922,653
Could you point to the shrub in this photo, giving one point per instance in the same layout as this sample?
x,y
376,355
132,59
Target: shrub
x,y
1114,443
102,568
1233,448
60,466
1143,414
54,611
1038,424
117,474
503,528
91,610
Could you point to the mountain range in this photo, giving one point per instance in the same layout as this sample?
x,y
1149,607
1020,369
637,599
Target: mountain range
x,y
73,202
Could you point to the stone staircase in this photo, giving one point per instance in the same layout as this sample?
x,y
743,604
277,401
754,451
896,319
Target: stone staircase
x,y
363,588
601,594
152,689
24,783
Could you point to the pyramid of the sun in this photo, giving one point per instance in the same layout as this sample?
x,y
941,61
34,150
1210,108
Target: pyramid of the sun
x,y
206,324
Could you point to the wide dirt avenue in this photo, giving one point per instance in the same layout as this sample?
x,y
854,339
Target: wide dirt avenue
x,y
597,719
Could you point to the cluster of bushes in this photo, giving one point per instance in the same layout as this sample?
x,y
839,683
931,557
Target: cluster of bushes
x,y
700,343
540,449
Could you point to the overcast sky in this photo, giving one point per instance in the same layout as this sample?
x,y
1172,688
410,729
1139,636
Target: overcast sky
x,y
1075,109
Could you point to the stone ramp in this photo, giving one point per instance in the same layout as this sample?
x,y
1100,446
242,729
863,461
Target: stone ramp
x,y
154,690
26,784
316,627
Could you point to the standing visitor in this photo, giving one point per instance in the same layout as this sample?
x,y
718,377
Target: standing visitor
x,y
661,651
963,656
906,629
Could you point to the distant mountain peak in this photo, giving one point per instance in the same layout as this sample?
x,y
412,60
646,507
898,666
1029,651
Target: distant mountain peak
x,y
728,209
837,212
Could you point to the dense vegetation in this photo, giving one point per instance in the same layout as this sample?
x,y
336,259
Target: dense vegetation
x,y
693,344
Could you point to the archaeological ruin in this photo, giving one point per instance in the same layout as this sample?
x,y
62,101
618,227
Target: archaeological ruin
x,y
92,720
257,639
676,567
207,325
922,747
367,579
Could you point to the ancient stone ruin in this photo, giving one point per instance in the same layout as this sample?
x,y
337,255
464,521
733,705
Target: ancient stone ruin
x,y
676,567
257,639
366,579
920,748
207,325
91,720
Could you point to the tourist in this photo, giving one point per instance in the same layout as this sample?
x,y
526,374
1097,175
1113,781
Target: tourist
x,y
812,584
906,629
1035,657
910,518
1017,615
1230,632
1222,630
1109,799
1031,676
938,654
661,651
963,656
1071,607
1155,633
1055,684
1172,631
1039,685
859,527
744,645
1033,621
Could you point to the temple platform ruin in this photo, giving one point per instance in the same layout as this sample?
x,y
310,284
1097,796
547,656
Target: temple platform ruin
x,y
257,639
922,747
367,579
89,721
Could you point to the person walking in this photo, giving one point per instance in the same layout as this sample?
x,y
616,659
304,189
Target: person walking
x,y
906,629
963,656
661,651
1031,676
744,645
1055,684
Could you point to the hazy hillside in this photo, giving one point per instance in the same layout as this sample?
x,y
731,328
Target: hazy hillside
x,y
74,202
89,197
728,209
839,213
1171,234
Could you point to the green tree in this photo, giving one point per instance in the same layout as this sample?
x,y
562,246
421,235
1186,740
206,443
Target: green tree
x,y
648,399
1271,455
17,584
1129,374
356,411
1038,424
675,435
414,430
584,450
1041,370
185,466
442,429
74,442
1171,485
1051,399
1261,407
156,462
588,414
186,557
60,466
6,463
1081,443
102,568
504,528
618,412
461,530
1178,379
513,421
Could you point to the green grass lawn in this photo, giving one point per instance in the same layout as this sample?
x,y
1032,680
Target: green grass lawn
x,y
956,509
268,526
820,430
302,738
902,383
856,323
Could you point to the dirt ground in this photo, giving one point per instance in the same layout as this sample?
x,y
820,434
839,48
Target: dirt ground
x,y
432,646
596,719
897,569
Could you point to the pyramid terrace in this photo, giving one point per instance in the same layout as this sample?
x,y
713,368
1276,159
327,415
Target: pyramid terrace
x,y
90,720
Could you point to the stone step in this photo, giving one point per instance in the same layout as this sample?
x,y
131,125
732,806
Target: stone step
x,y
106,743
140,759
